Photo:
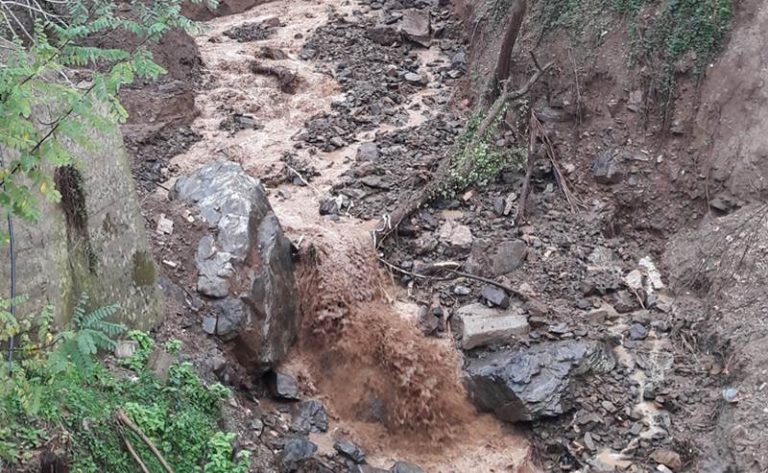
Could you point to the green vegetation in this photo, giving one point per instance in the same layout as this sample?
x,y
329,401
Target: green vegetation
x,y
59,394
478,160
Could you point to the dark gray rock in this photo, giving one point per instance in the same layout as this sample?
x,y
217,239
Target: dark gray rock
x,y
495,296
528,384
368,152
310,416
638,332
385,35
296,451
350,450
606,168
405,467
284,386
264,325
509,256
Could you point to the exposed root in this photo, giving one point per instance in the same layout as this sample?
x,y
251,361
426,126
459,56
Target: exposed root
x,y
287,80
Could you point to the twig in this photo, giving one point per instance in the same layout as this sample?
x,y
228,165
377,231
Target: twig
x,y
521,207
578,88
133,454
555,165
301,178
126,421
506,288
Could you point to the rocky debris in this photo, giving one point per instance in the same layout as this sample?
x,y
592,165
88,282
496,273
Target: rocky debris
x,y
495,296
164,225
638,332
668,458
228,317
248,32
275,54
458,238
287,80
526,384
405,467
350,450
368,152
283,386
248,234
296,451
238,122
482,326
606,168
310,416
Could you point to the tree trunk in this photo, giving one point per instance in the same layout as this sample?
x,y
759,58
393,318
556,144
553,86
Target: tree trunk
x,y
504,64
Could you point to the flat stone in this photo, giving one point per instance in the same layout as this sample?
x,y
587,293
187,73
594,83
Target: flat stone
x,y
527,384
638,332
413,78
368,152
508,256
495,296
350,450
481,325
606,169
668,458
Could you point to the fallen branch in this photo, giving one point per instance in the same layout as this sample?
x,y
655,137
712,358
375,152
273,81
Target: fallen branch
x,y
127,422
559,177
134,455
452,267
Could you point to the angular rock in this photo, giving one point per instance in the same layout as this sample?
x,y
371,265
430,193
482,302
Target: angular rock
x,y
159,364
405,467
350,450
385,35
481,325
125,348
668,458
509,256
528,384
638,332
284,386
296,451
248,234
310,416
606,169
416,79
368,152
457,237
416,26
495,296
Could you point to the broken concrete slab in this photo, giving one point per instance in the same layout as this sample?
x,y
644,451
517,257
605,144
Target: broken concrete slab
x,y
482,326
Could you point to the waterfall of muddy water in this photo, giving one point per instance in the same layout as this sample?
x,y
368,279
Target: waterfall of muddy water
x,y
393,391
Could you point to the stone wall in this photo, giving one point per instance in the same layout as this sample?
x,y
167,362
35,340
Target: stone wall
x,y
93,241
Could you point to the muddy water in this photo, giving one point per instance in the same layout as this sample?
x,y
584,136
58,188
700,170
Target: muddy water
x,y
396,393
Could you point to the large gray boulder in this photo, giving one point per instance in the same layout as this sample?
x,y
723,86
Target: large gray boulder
x,y
244,262
527,384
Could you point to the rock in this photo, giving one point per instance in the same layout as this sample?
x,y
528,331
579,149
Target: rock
x,y
230,316
638,332
405,467
635,102
337,142
349,450
296,451
159,364
249,234
527,384
508,256
606,169
368,152
310,416
416,26
284,386
460,290
209,325
624,302
164,225
495,296
416,79
602,313
481,325
667,458
536,308
125,348
385,35
457,237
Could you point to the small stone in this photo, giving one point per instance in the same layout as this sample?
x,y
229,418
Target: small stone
x,y
731,395
368,152
508,256
481,326
350,450
638,332
495,296
583,304
284,386
609,406
164,225
405,467
209,325
589,443
416,79
338,142
606,169
667,458
462,290
125,348
457,237
536,308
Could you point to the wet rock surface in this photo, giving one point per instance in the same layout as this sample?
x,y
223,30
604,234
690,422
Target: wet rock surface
x,y
248,247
